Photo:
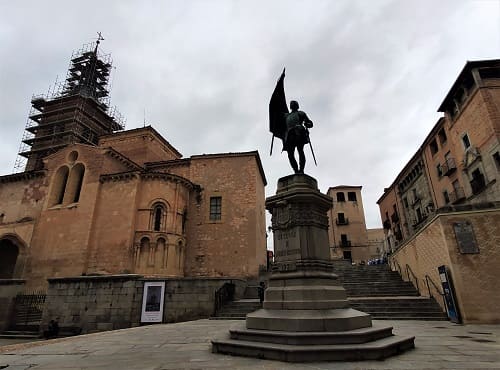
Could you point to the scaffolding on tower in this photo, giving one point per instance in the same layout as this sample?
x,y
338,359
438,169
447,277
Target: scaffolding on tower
x,y
76,110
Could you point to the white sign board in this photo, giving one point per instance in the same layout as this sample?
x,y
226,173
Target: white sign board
x,y
152,301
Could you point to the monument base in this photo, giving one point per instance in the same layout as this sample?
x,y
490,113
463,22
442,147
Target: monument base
x,y
372,343
306,314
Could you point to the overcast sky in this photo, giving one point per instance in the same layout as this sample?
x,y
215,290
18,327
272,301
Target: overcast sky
x,y
370,74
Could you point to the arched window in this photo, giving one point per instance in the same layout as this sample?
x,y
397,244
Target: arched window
x,y
59,187
158,217
75,183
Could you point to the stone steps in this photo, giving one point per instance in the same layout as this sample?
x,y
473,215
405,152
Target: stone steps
x,y
372,289
373,350
20,334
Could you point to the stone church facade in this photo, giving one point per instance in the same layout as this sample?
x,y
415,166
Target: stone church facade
x,y
131,204
92,199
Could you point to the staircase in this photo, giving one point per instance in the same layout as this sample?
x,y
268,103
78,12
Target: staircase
x,y
238,309
382,293
372,289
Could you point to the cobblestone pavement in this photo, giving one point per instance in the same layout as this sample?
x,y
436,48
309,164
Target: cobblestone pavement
x,y
439,345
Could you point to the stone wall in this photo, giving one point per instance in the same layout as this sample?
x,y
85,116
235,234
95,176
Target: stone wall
x,y
9,288
474,275
98,303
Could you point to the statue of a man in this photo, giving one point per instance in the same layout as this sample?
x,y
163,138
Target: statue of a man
x,y
291,127
297,136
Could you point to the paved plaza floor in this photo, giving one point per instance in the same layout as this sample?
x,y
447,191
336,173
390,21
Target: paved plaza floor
x,y
439,345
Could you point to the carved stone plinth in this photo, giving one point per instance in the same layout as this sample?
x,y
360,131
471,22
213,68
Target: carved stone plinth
x,y
306,314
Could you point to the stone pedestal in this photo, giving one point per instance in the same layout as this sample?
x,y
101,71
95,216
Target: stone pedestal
x,y
306,314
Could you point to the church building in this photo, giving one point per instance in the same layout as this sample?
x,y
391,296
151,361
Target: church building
x,y
94,199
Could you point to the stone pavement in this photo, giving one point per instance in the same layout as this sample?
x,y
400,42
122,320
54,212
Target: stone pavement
x,y
439,345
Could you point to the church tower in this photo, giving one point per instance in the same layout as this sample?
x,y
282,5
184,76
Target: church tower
x,y
76,111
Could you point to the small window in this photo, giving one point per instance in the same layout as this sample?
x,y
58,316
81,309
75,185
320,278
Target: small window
x,y
59,187
343,239
351,196
442,136
341,218
215,208
439,170
340,197
446,197
419,214
405,202
466,141
75,183
158,215
433,146
496,157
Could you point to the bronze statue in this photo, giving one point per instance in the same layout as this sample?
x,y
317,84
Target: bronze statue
x,y
291,127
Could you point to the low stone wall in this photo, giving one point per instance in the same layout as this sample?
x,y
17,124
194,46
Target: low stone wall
x,y
9,288
94,303
98,303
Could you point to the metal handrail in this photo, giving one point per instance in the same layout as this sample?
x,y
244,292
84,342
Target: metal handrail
x,y
222,295
408,270
396,264
427,279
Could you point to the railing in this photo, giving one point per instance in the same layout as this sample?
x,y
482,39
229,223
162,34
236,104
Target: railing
x,y
408,270
395,217
457,195
427,279
345,243
387,224
344,221
28,309
449,167
396,264
222,295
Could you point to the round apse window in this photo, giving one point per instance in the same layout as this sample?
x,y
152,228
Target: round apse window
x,y
73,156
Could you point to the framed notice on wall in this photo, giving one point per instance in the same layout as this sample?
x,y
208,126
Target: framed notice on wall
x,y
465,237
152,301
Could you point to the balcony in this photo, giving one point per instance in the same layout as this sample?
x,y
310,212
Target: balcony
x,y
395,217
345,243
398,235
449,167
478,184
387,224
457,195
342,221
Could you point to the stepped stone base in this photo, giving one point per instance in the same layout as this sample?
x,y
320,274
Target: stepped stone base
x,y
373,343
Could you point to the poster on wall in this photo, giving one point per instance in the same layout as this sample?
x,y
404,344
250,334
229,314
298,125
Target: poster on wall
x,y
152,301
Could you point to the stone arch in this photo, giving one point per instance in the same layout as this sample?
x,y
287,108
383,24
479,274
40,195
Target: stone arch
x,y
158,217
162,248
12,257
59,186
75,182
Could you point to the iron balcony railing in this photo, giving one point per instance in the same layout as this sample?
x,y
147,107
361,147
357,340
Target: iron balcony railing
x,y
395,217
448,167
342,221
457,195
345,243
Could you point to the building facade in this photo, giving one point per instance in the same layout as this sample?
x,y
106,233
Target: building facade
x,y
349,238
94,199
443,207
